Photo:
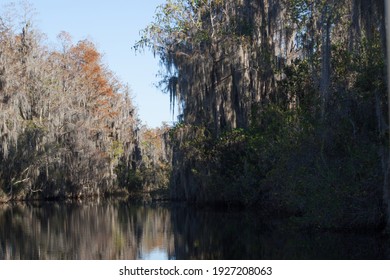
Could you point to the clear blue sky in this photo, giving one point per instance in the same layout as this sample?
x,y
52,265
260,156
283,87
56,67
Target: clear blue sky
x,y
113,25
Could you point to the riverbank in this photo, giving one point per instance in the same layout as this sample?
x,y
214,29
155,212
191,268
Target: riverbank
x,y
157,195
297,219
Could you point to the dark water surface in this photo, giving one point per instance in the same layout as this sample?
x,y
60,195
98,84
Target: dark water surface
x,y
121,230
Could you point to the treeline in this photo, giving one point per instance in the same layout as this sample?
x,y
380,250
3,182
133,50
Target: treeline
x,y
283,103
68,127
148,177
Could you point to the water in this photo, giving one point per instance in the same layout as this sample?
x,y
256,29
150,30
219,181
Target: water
x,y
121,230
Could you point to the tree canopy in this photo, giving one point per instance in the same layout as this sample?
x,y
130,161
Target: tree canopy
x,y
66,121
283,104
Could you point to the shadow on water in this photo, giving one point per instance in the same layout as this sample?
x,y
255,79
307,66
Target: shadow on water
x,y
210,234
120,230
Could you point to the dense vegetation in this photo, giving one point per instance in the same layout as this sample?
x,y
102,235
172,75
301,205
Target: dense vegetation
x,y
283,104
149,175
283,107
68,127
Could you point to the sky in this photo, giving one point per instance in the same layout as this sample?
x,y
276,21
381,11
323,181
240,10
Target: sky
x,y
113,26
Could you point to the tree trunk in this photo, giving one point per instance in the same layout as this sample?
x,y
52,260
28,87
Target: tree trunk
x,y
386,166
326,59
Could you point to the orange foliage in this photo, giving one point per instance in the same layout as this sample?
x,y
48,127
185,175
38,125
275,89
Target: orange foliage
x,y
96,78
89,59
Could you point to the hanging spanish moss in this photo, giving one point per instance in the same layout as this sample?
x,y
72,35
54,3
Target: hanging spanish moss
x,y
66,122
283,105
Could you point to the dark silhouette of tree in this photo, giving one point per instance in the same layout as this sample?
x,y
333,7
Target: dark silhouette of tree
x,y
283,105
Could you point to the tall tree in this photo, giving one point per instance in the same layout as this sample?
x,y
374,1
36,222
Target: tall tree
x,y
386,188
66,121
265,85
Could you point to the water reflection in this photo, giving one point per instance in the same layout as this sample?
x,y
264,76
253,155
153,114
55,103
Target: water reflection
x,y
247,235
120,230
90,230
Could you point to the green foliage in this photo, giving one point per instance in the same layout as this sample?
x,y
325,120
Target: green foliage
x,y
150,172
128,178
284,106
117,149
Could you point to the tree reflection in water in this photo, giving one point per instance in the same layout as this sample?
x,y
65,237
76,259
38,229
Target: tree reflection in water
x,y
120,230
89,230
